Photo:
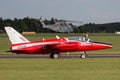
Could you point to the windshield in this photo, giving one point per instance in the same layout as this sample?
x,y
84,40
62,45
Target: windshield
x,y
78,38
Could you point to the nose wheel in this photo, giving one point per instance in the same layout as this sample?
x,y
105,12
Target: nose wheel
x,y
83,55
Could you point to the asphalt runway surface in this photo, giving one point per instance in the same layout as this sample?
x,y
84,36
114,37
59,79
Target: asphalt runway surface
x,y
61,56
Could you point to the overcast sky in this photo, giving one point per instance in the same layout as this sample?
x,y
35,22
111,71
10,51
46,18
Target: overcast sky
x,y
95,11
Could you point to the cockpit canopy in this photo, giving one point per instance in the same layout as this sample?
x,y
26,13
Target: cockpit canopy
x,y
78,38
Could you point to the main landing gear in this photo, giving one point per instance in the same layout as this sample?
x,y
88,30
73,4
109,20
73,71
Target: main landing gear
x,y
83,55
54,56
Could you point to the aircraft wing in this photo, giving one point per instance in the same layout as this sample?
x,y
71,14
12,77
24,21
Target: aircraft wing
x,y
49,45
42,47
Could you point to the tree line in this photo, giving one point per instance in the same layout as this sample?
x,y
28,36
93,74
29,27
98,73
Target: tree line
x,y
100,28
32,24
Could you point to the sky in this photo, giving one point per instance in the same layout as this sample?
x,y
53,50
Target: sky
x,y
94,11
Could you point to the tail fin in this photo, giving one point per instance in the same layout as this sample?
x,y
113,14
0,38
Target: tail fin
x,y
43,24
14,36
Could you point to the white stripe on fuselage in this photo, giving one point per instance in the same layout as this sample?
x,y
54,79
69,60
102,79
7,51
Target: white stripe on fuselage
x,y
33,44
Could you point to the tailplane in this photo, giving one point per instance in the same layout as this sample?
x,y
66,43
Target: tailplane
x,y
14,36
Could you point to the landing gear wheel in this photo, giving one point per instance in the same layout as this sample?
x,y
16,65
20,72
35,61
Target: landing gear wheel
x,y
54,56
83,56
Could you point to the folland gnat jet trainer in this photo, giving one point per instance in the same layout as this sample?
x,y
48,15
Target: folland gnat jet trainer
x,y
54,47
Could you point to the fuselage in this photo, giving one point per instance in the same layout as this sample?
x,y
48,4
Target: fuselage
x,y
57,46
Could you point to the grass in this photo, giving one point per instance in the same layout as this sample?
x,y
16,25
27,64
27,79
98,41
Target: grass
x,y
60,69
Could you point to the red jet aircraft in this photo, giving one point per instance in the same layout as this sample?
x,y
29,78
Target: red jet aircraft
x,y
52,46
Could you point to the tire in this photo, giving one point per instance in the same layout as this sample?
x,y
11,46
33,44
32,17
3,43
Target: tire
x,y
54,56
83,56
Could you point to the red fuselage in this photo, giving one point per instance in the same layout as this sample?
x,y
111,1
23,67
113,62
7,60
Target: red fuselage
x,y
57,46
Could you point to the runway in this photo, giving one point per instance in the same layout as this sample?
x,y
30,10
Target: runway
x,y
61,56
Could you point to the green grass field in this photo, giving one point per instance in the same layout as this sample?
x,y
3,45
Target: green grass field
x,y
60,69
101,37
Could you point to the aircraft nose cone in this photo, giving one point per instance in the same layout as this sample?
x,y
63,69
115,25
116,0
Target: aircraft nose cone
x,y
110,46
107,46
103,45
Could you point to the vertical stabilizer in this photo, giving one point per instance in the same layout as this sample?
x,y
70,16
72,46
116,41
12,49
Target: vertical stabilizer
x,y
14,36
43,24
